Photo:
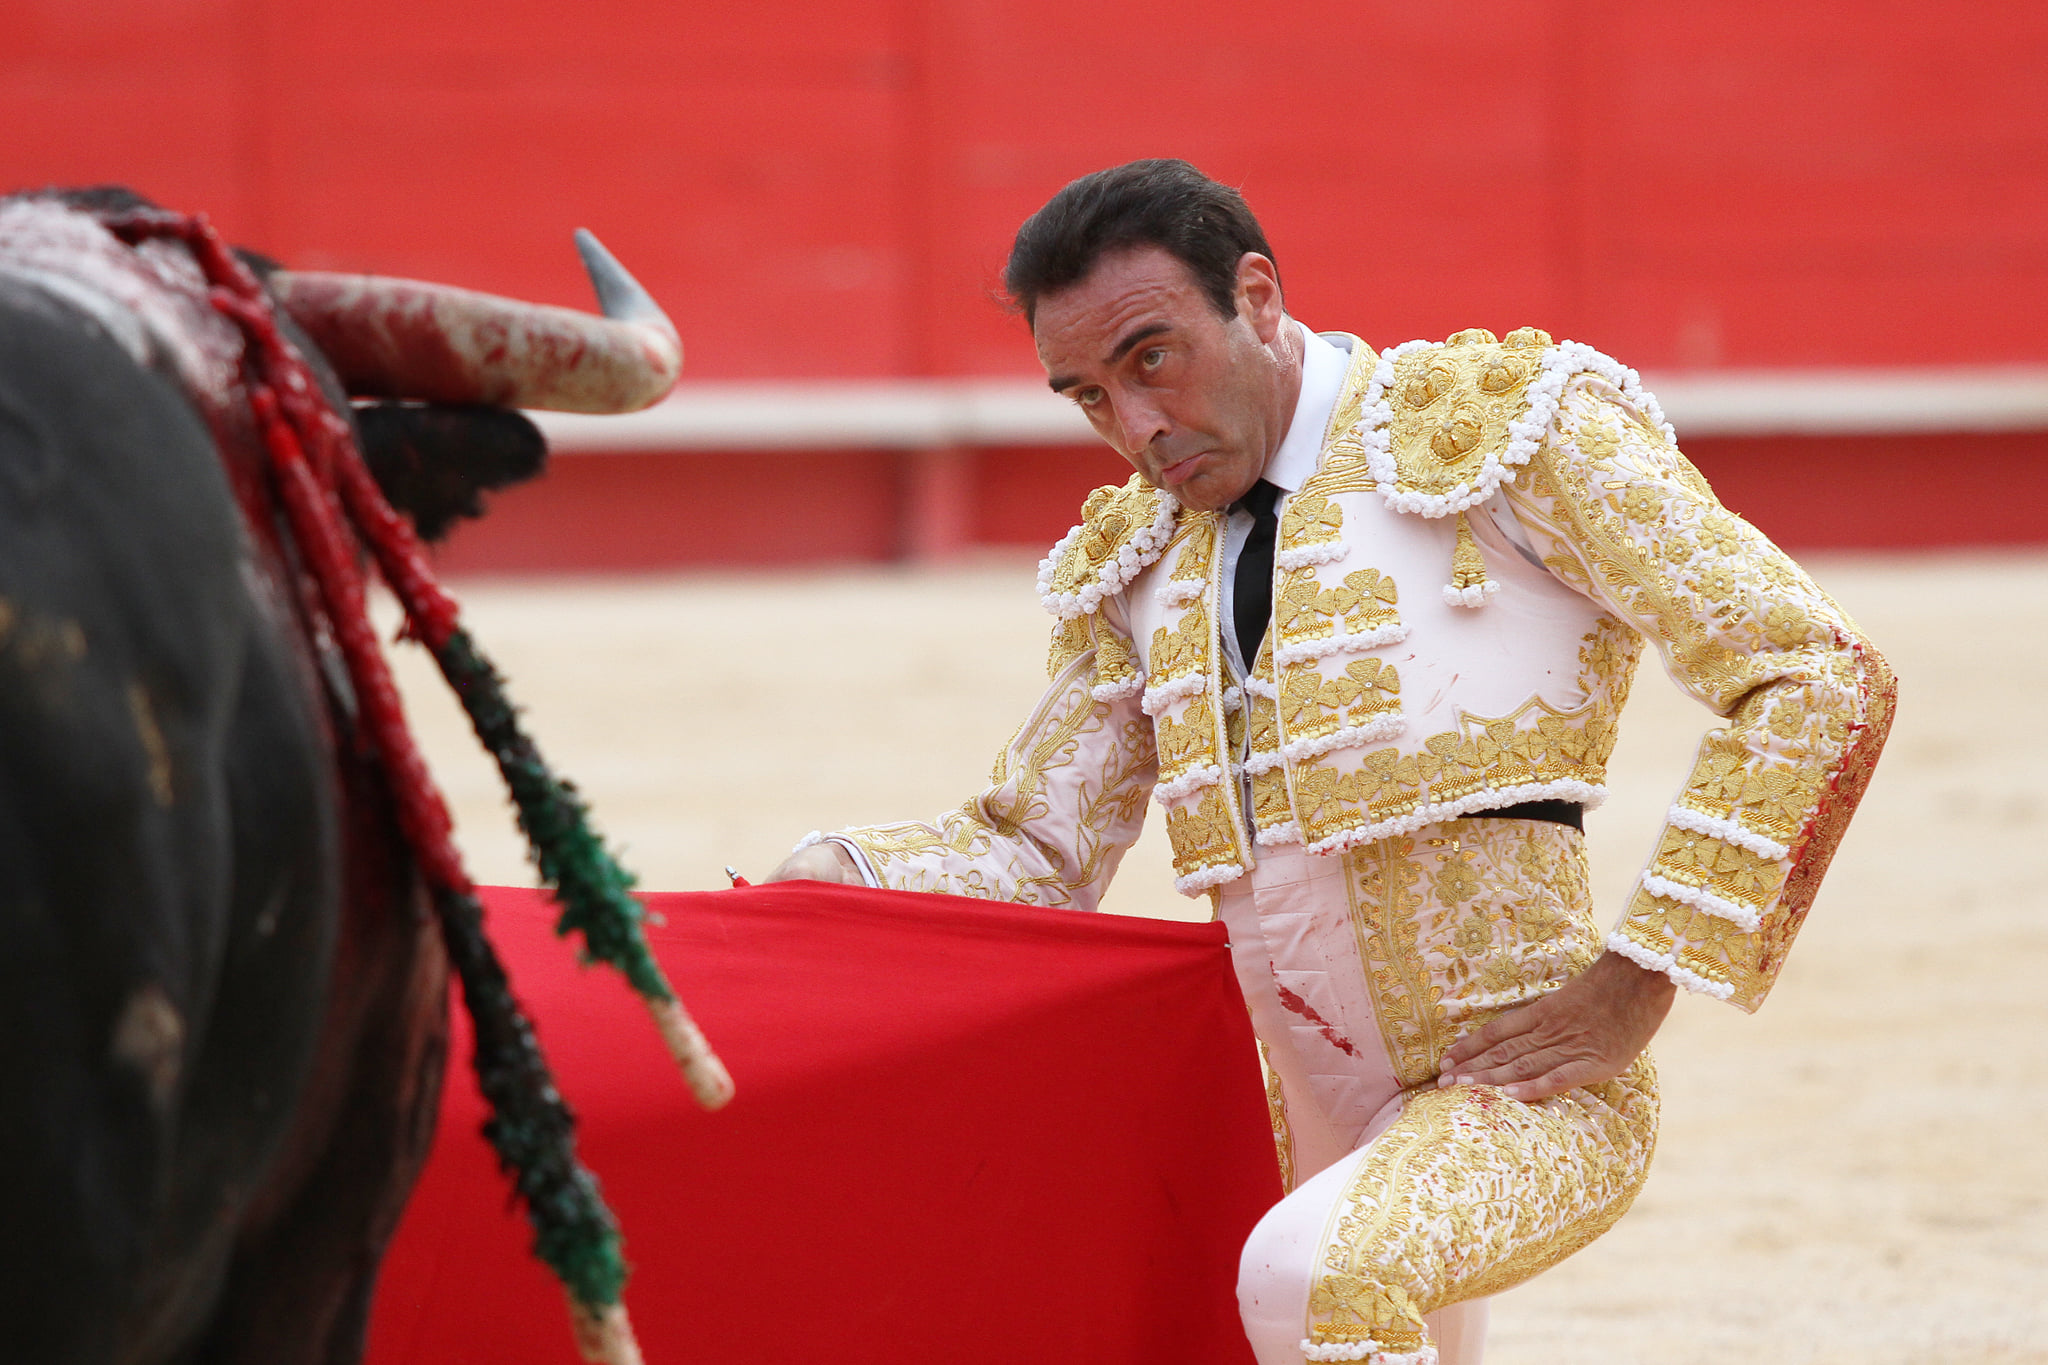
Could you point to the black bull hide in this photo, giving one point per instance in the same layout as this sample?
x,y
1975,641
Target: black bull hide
x,y
222,998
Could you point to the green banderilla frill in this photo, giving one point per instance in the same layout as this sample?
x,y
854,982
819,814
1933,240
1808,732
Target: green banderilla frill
x,y
594,891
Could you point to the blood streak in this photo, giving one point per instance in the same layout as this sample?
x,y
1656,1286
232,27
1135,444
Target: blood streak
x,y
1323,1026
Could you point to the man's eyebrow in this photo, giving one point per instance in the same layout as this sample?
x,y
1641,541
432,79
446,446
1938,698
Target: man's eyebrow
x,y
1145,333
1060,383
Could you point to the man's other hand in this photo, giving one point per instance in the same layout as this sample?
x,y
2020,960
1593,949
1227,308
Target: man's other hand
x,y
1585,1032
825,862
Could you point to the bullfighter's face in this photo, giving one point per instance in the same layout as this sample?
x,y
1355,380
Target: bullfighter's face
x,y
1195,401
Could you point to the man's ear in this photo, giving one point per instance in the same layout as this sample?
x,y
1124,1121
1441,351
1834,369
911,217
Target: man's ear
x,y
1258,295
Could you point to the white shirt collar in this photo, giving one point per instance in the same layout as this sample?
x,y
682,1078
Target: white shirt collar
x,y
1323,365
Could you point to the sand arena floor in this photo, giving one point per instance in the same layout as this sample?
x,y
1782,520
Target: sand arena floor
x,y
1859,1173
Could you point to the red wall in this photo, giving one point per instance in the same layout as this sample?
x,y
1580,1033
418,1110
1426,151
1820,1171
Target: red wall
x,y
828,188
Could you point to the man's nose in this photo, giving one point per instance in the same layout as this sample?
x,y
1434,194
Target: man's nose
x,y
1140,420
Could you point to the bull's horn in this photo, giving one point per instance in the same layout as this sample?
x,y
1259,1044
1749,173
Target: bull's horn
x,y
391,338
619,295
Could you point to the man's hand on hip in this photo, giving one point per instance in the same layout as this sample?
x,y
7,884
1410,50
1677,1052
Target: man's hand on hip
x,y
825,862
1585,1032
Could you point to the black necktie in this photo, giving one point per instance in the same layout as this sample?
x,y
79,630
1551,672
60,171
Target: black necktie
x,y
1252,589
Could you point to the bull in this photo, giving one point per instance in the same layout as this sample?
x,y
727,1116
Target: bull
x,y
222,985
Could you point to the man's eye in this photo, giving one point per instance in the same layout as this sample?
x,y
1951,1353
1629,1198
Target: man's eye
x,y
1088,397
1153,358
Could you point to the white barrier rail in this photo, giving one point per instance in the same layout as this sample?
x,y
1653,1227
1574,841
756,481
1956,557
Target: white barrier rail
x,y
935,414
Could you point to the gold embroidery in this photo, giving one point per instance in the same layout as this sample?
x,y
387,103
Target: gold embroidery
x,y
1344,468
967,851
1310,519
1110,516
1537,744
1381,879
1114,662
1824,834
1196,540
1745,631
1469,1193
1452,405
1202,832
1309,611
1070,640
1462,921
1188,741
1313,706
1468,565
1706,864
1183,649
1276,1109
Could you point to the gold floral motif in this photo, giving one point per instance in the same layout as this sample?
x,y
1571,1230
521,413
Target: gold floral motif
x,y
1455,403
1314,705
1469,1193
1311,519
1537,744
1187,741
1203,833
1365,601
1707,864
1184,649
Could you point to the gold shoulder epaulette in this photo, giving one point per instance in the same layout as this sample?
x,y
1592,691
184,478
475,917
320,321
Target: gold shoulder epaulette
x,y
1457,410
1122,531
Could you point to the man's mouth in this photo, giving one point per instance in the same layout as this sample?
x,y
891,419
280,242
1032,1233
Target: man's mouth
x,y
1180,470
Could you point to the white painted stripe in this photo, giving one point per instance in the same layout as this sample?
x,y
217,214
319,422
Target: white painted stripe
x,y
928,414
1853,402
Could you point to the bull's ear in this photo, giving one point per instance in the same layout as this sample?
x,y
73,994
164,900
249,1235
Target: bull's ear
x,y
435,462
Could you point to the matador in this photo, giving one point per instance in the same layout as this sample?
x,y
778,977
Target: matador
x,y
1361,625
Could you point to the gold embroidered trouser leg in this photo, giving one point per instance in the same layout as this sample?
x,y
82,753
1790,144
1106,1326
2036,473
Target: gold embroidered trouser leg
x,y
1465,1193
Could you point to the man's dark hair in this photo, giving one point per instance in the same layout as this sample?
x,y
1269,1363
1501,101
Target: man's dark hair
x,y
1162,202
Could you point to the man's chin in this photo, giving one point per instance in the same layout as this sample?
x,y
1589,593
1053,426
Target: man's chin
x,y
1204,493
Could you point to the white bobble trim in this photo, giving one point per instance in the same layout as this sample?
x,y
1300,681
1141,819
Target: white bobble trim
x,y
1132,559
1193,780
1728,832
1117,691
1305,651
1195,883
1368,1351
1667,963
1475,596
1305,556
1386,727
1158,699
1563,789
1741,916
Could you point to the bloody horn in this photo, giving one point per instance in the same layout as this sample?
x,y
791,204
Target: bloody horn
x,y
393,338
